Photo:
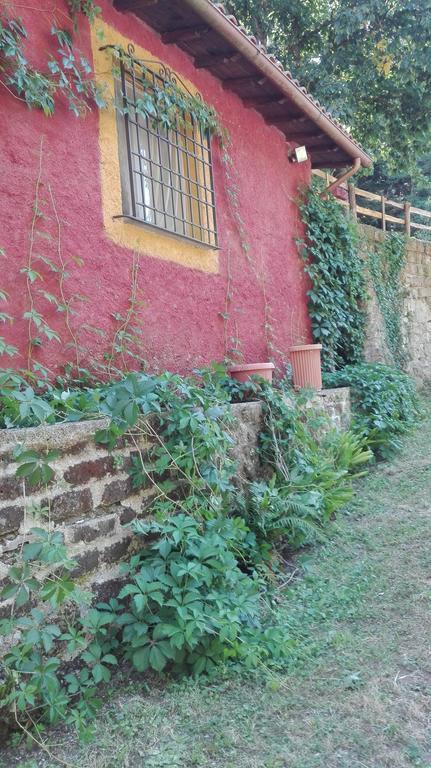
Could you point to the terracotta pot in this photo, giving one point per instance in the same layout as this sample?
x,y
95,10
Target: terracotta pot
x,y
306,366
243,373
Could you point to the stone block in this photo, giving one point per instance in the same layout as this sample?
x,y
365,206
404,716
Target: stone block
x,y
248,423
71,504
62,437
88,530
86,562
336,404
81,473
126,515
11,518
116,551
117,491
11,487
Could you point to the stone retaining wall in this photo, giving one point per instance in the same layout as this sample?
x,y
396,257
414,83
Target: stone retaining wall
x,y
416,320
91,496
336,404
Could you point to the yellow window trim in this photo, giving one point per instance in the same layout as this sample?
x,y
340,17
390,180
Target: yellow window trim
x,y
136,237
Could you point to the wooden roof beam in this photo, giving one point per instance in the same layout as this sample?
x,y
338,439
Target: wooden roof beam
x,y
233,82
328,154
212,59
292,126
320,140
289,122
133,5
182,34
263,101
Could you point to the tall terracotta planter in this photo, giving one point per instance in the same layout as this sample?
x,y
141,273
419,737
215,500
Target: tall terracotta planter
x,y
306,366
243,372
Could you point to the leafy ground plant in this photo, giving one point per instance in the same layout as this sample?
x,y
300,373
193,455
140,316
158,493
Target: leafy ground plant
x,y
384,400
187,604
312,468
51,622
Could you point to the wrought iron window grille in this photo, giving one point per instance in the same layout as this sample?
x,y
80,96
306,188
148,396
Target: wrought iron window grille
x,y
169,180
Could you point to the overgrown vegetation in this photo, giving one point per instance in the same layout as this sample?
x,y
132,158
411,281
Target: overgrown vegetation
x,y
384,400
199,593
311,468
337,298
386,262
354,688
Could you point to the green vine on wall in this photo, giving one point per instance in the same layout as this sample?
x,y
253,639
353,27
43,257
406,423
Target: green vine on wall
x,y
338,295
386,263
87,7
167,104
68,73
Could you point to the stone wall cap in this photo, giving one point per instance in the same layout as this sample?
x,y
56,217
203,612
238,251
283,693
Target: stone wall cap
x,y
53,435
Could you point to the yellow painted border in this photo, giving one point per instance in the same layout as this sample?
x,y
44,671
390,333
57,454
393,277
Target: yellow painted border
x,y
136,237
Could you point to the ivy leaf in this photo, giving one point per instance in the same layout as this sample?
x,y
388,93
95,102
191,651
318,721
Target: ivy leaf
x,y
157,660
141,658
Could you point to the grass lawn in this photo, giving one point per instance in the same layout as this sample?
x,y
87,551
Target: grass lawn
x,y
358,693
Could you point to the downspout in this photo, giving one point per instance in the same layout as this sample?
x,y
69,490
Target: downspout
x,y
344,176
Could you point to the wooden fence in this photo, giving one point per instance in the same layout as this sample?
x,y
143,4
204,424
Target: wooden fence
x,y
383,210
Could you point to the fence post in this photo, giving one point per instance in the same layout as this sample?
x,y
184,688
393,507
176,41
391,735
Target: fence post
x,y
407,226
352,200
383,207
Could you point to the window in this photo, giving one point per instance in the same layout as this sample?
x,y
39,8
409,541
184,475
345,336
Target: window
x,y
167,179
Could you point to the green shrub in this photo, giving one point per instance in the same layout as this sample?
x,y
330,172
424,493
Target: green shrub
x,y
196,596
186,423
384,400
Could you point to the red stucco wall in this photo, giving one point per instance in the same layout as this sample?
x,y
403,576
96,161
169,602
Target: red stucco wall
x,y
182,323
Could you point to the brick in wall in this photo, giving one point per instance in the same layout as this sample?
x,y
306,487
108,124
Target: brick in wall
x,y
81,473
71,504
116,491
11,518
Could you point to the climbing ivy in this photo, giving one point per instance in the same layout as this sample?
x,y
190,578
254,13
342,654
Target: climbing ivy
x,y
87,7
67,72
337,297
386,262
168,103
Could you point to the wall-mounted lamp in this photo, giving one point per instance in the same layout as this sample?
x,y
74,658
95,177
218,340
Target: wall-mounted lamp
x,y
298,155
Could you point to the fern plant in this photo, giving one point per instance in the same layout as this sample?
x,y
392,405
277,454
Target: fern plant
x,y
276,514
313,466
